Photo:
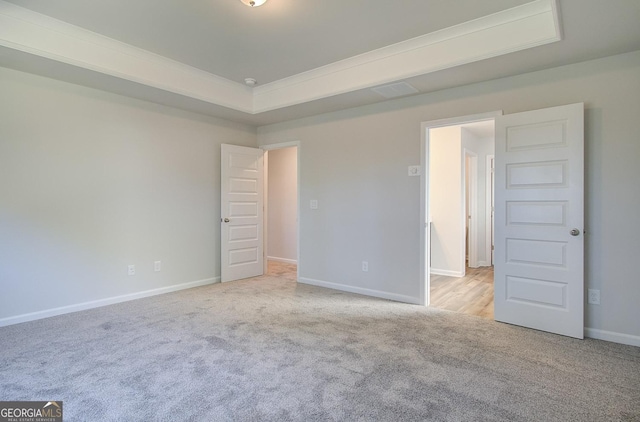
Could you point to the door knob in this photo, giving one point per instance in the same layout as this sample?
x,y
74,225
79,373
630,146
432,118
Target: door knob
x,y
226,220
575,232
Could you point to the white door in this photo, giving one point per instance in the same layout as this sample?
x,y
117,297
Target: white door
x,y
539,204
241,212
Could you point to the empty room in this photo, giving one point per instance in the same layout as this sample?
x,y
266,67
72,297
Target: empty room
x,y
237,210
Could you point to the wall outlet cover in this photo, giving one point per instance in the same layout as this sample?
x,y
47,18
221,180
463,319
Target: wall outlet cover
x,y
415,171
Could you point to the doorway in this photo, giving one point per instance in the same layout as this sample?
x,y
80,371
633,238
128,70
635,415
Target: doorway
x,y
459,275
281,257
539,217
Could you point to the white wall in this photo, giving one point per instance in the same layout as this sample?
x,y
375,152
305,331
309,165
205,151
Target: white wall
x,y
283,205
91,182
355,163
446,201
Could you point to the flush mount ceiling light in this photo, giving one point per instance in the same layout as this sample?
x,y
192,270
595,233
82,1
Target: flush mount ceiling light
x,y
254,3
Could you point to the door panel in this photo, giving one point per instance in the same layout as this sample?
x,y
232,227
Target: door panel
x,y
539,275
241,212
531,213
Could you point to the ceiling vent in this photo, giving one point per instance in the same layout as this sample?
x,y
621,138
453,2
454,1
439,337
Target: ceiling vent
x,y
399,89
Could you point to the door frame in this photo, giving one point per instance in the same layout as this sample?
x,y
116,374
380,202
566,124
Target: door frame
x,y
470,196
425,225
489,209
267,148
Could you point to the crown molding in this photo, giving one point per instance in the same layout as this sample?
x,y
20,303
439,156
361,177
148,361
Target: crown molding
x,y
529,25
34,33
519,28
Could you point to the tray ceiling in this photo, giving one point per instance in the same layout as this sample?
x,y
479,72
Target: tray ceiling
x,y
308,57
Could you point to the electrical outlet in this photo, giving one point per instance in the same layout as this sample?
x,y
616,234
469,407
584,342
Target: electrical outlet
x,y
131,270
157,266
594,297
415,171
365,266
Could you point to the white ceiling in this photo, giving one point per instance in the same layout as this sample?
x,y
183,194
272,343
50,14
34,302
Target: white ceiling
x,y
284,38
270,42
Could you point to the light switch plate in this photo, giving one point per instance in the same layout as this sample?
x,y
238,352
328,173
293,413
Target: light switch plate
x,y
313,204
415,171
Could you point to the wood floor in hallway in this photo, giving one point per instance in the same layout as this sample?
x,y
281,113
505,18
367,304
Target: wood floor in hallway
x,y
471,294
281,269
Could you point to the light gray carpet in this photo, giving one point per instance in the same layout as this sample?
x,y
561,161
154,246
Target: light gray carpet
x,y
273,350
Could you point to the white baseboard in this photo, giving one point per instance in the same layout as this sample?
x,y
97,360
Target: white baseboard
x,y
612,336
285,260
483,264
447,273
360,290
103,302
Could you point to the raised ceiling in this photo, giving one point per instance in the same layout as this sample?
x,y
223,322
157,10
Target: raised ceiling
x,y
308,57
279,39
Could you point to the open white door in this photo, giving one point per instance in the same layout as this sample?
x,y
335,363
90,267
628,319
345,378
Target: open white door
x,y
241,212
539,242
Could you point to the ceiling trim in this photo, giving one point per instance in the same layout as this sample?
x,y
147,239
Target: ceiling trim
x,y
31,32
515,29
529,25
